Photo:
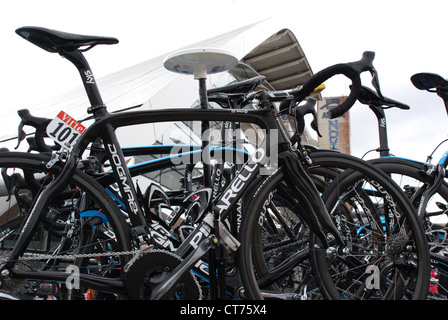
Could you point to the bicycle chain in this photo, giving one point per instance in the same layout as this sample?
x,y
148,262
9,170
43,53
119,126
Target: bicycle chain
x,y
136,253
33,257
295,243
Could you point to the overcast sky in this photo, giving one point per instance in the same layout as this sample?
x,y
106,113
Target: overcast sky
x,y
407,36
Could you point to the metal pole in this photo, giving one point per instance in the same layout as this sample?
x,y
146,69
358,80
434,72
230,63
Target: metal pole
x,y
205,133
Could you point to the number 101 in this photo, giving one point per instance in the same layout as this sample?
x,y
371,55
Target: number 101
x,y
64,134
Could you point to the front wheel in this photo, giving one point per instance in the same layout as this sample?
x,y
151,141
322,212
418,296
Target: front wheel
x,y
274,255
385,256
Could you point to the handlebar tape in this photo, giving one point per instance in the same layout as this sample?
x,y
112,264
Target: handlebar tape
x,y
349,102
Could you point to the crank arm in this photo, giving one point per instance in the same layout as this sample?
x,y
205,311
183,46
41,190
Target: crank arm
x,y
273,295
183,267
280,296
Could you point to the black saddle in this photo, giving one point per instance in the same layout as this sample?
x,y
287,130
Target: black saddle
x,y
55,41
369,97
428,81
233,91
244,86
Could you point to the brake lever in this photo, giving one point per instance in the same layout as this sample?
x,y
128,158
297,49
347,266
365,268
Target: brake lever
x,y
39,124
21,134
376,82
315,125
301,110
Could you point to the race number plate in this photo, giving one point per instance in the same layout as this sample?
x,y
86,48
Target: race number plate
x,y
64,130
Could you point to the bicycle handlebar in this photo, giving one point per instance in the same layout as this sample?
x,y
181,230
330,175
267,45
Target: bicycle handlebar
x,y
352,71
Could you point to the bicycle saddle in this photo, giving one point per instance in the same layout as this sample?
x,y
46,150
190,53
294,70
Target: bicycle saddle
x,y
234,91
369,97
54,41
428,81
244,86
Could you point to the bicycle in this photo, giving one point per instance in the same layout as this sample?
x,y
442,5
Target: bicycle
x,y
430,175
199,242
332,162
152,165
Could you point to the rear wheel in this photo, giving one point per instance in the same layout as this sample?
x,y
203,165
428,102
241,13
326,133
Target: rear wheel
x,y
415,179
386,254
82,231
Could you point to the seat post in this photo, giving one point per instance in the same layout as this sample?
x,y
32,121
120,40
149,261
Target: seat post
x,y
98,109
382,130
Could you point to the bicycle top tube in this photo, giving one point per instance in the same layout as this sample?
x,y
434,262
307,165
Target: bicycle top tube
x,y
265,118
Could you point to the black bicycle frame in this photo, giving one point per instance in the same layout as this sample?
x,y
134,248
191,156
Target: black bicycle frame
x,y
104,127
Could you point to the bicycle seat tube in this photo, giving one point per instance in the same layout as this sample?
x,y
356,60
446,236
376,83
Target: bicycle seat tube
x,y
111,144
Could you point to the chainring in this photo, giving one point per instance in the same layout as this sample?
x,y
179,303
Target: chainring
x,y
151,269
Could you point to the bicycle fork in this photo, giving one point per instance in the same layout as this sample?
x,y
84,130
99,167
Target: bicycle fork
x,y
316,215
431,190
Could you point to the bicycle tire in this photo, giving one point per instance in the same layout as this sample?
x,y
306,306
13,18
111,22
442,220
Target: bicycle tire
x,y
105,210
279,244
251,229
411,177
405,172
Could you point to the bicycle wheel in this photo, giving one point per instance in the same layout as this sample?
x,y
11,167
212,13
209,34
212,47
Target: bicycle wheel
x,y
82,232
412,177
273,256
258,265
386,254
